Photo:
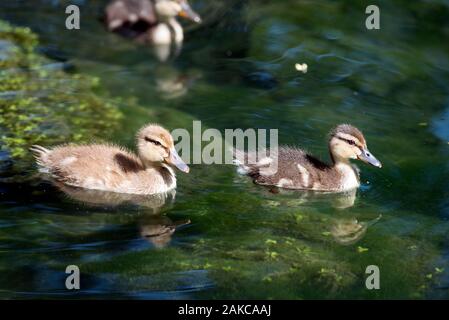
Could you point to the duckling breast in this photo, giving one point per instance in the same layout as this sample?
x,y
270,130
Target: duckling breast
x,y
349,176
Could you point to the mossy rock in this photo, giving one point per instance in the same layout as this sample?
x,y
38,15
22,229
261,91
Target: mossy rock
x,y
40,101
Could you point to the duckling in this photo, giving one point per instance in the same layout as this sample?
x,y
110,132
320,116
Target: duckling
x,y
152,21
292,168
111,168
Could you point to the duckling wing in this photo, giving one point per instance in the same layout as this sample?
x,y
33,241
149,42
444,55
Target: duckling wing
x,y
288,168
99,167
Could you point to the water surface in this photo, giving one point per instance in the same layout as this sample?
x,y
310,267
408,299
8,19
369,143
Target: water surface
x,y
243,241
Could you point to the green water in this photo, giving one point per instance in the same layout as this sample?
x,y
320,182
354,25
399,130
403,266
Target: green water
x,y
237,71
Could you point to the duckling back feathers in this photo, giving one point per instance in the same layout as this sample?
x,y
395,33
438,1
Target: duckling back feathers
x,y
292,168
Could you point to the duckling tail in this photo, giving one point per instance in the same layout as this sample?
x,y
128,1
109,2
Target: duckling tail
x,y
39,150
40,153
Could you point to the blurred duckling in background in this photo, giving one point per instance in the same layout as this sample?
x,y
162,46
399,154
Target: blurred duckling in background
x,y
111,168
292,168
149,21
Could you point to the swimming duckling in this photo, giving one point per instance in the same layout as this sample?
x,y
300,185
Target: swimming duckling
x,y
111,168
152,21
292,168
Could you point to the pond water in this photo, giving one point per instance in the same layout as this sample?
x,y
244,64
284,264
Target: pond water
x,y
221,236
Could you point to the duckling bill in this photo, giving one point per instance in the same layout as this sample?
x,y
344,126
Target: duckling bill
x,y
112,168
298,170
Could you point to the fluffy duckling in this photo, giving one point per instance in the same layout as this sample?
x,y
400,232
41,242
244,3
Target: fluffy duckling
x,y
293,168
112,168
152,21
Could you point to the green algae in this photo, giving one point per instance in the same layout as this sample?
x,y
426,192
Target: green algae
x,y
277,256
42,103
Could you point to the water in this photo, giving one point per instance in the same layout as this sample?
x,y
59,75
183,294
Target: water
x,y
234,239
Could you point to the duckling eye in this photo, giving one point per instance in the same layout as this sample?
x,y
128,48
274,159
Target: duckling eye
x,y
352,143
153,141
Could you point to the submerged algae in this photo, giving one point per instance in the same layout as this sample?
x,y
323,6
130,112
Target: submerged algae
x,y
41,102
277,255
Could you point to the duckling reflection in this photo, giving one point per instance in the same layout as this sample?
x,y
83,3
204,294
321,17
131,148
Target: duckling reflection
x,y
344,200
158,230
171,83
164,52
341,200
345,231
154,227
110,200
349,231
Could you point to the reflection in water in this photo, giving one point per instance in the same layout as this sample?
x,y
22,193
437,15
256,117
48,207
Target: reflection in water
x,y
156,228
164,52
386,83
349,231
345,199
98,198
344,230
341,200
171,83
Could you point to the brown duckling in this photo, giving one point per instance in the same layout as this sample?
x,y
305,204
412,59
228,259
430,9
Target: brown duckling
x,y
111,168
152,21
292,168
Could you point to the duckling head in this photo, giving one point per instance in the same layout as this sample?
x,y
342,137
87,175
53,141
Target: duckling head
x,y
347,142
167,9
155,146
